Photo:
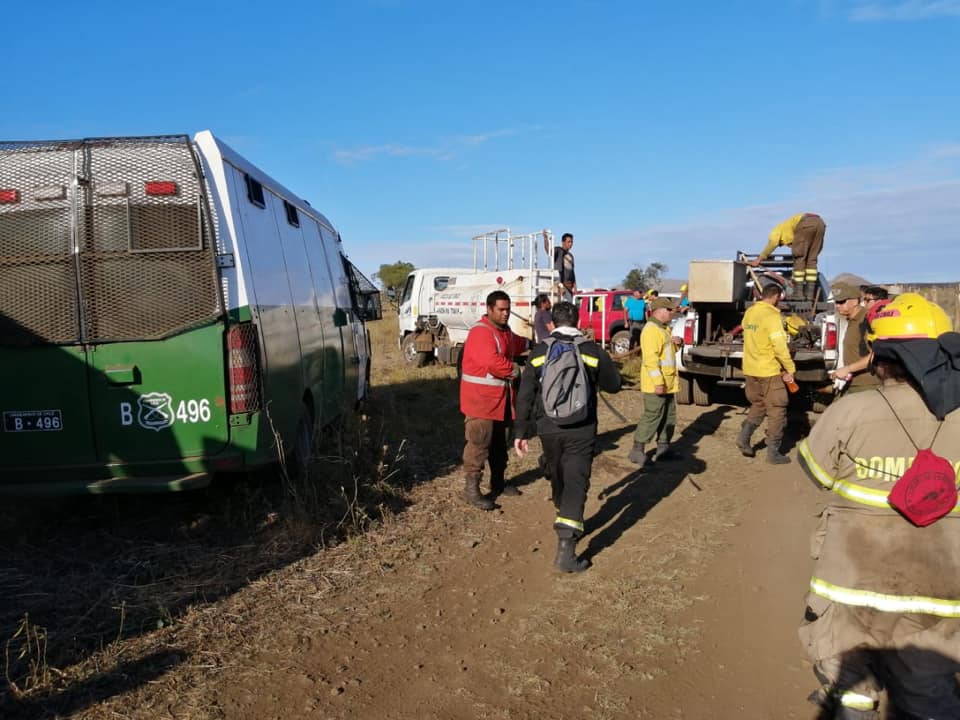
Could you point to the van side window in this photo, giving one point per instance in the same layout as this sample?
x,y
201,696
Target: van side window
x,y
440,283
292,216
255,191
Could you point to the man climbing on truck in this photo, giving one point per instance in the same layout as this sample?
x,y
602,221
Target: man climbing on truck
x,y
804,234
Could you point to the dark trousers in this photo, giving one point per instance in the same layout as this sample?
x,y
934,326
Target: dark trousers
x,y
807,244
636,327
486,442
768,397
568,460
659,419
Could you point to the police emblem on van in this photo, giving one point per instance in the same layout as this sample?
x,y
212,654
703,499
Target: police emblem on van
x,y
156,411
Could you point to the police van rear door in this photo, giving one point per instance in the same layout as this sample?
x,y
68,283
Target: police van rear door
x,y
44,393
152,308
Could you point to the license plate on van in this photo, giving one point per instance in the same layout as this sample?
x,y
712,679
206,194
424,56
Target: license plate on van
x,y
32,421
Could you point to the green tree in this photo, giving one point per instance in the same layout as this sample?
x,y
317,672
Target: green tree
x,y
393,276
649,278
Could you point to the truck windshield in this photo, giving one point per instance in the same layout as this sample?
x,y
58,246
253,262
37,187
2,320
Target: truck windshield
x,y
407,290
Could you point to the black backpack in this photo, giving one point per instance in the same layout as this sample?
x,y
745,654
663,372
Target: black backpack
x,y
564,384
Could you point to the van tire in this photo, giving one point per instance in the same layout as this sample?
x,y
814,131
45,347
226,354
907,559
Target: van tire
x,y
302,449
620,342
684,390
701,391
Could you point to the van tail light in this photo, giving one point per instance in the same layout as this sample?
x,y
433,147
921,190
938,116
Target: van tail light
x,y
160,187
243,368
830,336
8,196
688,331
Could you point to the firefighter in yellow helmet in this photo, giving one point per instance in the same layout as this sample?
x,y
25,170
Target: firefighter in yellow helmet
x,y
803,234
883,607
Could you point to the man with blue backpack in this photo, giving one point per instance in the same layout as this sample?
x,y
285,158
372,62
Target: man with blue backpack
x,y
557,400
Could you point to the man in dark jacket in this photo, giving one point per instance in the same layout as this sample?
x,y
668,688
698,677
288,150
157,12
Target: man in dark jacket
x,y
568,448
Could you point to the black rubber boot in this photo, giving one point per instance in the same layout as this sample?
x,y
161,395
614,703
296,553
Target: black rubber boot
x,y
743,439
638,455
798,291
567,557
774,457
471,493
664,453
498,486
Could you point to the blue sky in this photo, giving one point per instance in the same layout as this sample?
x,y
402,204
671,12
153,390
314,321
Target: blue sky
x,y
653,131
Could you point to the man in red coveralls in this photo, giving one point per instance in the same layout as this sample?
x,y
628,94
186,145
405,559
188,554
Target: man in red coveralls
x,y
487,399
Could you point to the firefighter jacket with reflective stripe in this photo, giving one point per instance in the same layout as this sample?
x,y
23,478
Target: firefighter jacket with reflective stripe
x,y
485,389
782,234
659,358
866,553
531,419
765,352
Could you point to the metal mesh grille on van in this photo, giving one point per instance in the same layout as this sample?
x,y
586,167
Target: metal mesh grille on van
x,y
126,253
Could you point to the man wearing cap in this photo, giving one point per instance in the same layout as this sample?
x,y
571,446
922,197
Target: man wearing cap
x,y
658,383
855,355
804,234
767,368
883,606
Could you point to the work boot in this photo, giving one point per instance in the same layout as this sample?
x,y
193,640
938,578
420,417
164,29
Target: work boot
x,y
664,453
471,493
798,291
567,557
743,439
638,455
774,457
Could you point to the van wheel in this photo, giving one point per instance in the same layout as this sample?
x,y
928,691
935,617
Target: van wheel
x,y
302,455
684,390
620,342
701,391
410,353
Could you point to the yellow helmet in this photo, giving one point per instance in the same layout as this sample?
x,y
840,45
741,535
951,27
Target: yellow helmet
x,y
793,323
683,288
908,317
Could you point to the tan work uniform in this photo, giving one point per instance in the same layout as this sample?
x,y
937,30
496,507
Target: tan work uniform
x,y
855,348
804,234
659,367
884,593
765,358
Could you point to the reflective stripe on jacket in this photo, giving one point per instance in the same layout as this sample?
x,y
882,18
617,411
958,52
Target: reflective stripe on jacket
x,y
765,352
486,371
659,358
867,554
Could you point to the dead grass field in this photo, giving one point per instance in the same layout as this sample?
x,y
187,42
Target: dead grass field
x,y
376,592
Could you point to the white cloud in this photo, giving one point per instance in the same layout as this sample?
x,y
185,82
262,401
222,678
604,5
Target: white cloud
x,y
443,149
903,10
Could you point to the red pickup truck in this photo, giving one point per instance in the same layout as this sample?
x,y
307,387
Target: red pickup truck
x,y
602,312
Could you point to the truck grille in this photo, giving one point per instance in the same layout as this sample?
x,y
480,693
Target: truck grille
x,y
108,240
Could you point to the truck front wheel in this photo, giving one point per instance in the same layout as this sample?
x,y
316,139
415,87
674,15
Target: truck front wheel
x,y
620,342
411,355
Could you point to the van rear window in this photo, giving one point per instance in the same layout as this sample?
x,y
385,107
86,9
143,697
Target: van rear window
x,y
255,192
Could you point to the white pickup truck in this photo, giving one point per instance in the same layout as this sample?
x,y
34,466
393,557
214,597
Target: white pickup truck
x,y
720,292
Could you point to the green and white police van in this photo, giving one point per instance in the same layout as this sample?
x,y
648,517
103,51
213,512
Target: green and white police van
x,y
167,311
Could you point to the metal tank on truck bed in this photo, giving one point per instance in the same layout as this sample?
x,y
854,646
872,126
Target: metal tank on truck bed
x,y
440,305
167,311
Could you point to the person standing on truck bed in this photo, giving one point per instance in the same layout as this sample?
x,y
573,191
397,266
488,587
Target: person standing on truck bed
x,y
855,351
767,368
563,264
486,400
658,383
883,605
804,234
636,308
568,448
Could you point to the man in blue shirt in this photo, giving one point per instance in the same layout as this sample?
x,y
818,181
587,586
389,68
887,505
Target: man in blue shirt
x,y
636,308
